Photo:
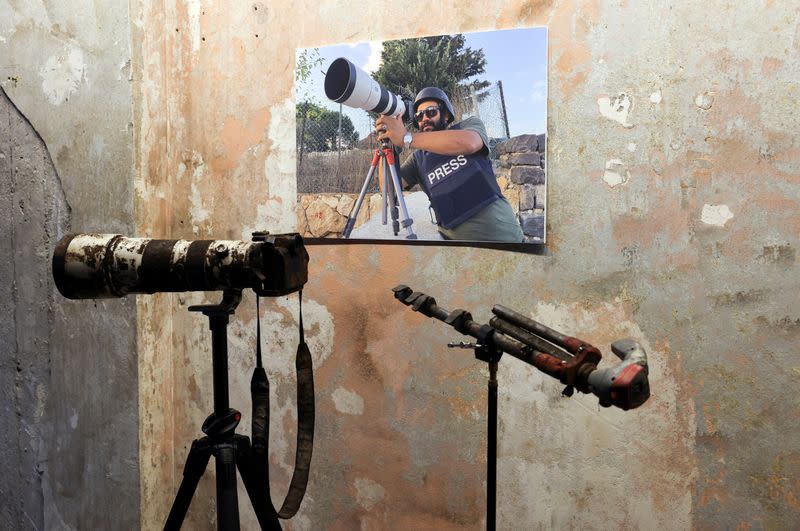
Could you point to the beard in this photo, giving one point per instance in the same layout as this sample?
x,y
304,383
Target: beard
x,y
438,125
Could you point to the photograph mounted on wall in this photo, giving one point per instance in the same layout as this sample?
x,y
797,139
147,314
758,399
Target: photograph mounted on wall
x,y
439,138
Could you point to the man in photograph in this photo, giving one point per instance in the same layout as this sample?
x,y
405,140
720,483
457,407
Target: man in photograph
x,y
451,164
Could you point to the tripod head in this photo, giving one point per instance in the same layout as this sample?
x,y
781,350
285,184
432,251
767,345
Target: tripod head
x,y
568,359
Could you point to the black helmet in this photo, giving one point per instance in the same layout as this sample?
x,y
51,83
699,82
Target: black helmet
x,y
433,93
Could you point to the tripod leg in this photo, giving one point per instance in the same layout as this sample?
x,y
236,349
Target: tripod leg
x,y
227,497
384,190
491,451
193,470
351,219
398,189
392,199
257,492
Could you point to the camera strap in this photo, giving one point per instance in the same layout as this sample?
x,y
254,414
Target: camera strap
x,y
259,388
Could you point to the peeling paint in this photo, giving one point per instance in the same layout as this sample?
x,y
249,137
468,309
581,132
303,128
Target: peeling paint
x,y
616,108
704,100
279,213
193,11
656,97
717,215
348,402
368,493
181,172
778,254
62,75
319,326
615,173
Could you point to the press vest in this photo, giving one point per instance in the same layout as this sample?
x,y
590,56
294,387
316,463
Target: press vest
x,y
458,186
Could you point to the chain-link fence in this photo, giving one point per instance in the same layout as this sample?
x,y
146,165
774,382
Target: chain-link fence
x,y
487,104
334,148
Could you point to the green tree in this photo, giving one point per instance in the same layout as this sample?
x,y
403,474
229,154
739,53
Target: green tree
x,y
443,61
307,60
318,129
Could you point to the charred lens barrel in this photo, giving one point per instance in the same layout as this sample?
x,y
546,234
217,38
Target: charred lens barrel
x,y
88,266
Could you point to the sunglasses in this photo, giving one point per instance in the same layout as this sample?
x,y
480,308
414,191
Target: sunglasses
x,y
430,112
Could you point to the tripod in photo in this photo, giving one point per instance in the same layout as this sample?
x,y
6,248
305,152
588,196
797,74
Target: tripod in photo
x,y
391,193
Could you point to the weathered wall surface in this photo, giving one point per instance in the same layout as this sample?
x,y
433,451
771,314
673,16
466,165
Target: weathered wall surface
x,y
673,190
69,414
673,218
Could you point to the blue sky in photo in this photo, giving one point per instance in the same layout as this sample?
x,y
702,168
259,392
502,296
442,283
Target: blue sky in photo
x,y
517,57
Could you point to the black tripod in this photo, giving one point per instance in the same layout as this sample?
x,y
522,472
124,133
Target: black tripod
x,y
486,350
230,451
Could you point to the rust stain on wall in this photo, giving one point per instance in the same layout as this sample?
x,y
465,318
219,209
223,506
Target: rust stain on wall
x,y
401,419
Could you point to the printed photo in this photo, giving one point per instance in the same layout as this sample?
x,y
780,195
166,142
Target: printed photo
x,y
439,138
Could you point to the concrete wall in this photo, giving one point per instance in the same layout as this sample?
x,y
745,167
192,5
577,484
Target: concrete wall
x,y
673,218
69,416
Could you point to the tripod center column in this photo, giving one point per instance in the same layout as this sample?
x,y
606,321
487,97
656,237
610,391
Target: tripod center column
x,y
218,322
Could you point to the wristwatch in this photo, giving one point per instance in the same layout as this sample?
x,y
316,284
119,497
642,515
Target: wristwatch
x,y
407,140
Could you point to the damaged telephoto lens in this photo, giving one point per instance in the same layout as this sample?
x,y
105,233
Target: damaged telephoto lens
x,y
89,266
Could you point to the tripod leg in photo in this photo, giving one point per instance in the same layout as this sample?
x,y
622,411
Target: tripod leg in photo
x,y
384,189
392,200
351,219
406,220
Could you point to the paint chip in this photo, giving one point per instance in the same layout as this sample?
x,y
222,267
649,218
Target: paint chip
x,y
616,108
716,215
279,168
61,75
615,173
704,100
632,147
348,402
197,210
193,10
655,97
368,493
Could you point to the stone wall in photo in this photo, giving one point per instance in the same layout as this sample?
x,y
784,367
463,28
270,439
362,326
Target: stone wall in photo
x,y
521,175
